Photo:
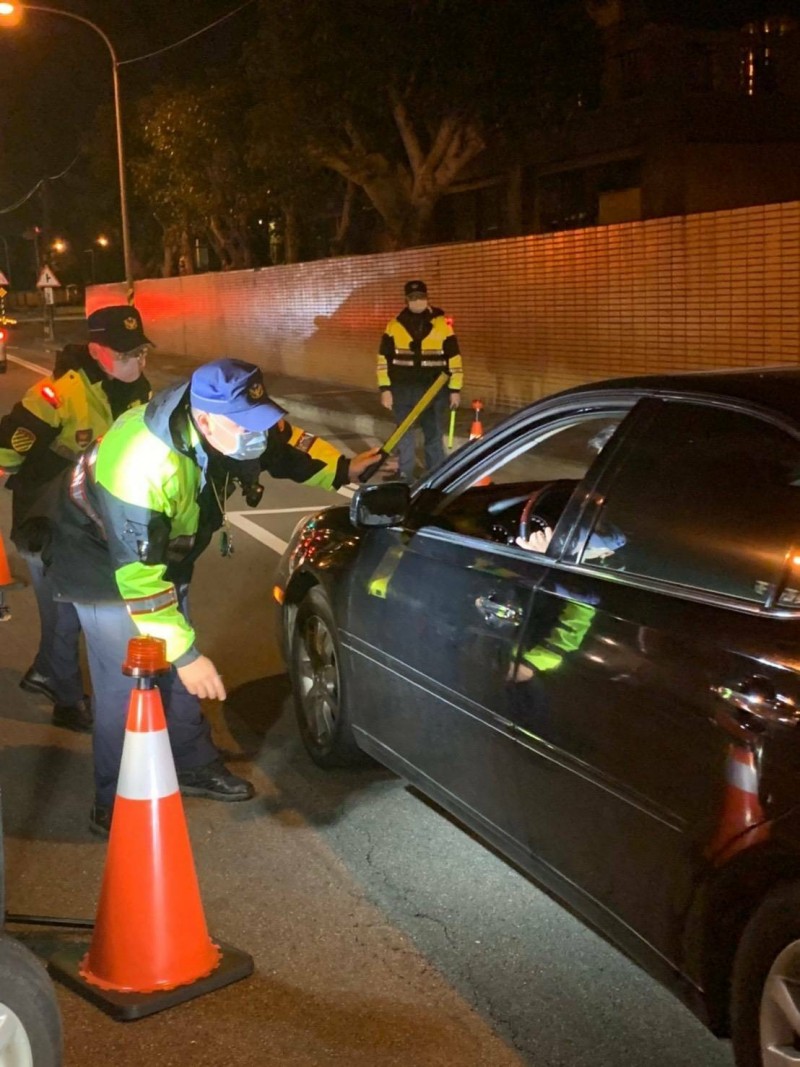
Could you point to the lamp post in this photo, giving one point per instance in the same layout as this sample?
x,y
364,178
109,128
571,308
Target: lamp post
x,y
103,242
10,13
8,261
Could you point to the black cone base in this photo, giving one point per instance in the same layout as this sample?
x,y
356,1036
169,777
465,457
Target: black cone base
x,y
126,1007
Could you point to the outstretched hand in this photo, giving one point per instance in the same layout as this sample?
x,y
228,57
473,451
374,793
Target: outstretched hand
x,y
359,463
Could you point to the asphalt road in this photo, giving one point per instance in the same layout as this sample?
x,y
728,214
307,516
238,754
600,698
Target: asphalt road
x,y
383,933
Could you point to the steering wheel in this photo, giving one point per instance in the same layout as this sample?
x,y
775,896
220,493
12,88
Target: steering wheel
x,y
544,506
527,515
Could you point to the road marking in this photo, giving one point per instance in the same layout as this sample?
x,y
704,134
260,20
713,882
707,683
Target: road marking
x,y
264,536
44,371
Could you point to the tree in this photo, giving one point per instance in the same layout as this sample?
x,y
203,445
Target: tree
x,y
192,170
400,97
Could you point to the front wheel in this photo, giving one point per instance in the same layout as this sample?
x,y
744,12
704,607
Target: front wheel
x,y
30,1024
765,1007
320,698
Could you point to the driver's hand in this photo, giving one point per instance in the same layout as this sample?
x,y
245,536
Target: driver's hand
x,y
538,540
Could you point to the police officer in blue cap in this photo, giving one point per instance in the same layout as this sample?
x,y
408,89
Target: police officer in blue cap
x,y
137,511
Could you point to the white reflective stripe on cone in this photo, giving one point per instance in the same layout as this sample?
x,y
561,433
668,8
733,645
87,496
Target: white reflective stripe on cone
x,y
147,771
742,774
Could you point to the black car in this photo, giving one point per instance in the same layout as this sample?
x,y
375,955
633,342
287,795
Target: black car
x,y
581,636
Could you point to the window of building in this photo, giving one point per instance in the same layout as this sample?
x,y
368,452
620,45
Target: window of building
x,y
699,67
631,73
759,66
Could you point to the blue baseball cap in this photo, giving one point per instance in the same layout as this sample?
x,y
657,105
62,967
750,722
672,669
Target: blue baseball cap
x,y
235,389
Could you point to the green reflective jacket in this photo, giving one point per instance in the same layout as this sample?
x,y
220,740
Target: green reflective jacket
x,y
142,506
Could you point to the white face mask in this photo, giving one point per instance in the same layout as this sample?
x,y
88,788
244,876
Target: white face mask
x,y
234,441
418,306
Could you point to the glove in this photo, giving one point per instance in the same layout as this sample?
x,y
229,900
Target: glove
x,y
386,398
455,400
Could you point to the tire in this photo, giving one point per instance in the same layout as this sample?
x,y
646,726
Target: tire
x,y
766,967
320,698
30,1024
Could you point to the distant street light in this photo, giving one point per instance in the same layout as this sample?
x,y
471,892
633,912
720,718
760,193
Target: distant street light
x,y
58,245
11,15
103,242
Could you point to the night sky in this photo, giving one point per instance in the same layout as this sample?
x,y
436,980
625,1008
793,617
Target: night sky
x,y
55,72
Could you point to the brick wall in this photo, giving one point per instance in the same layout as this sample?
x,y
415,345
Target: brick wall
x,y
533,314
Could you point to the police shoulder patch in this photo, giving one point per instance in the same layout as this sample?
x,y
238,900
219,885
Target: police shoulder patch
x,y
305,441
23,439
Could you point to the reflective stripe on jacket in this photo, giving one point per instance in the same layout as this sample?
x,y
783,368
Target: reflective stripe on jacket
x,y
55,422
136,523
415,349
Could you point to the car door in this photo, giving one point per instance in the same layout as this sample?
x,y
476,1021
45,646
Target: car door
x,y
436,612
642,653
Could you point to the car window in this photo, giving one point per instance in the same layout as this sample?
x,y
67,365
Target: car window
x,y
549,462
706,497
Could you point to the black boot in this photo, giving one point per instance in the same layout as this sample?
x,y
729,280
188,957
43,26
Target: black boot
x,y
100,819
77,717
215,782
35,682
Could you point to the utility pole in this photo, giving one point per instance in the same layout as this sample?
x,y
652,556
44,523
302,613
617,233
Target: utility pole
x,y
48,312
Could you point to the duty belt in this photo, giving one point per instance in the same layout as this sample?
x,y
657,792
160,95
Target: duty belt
x,y
422,363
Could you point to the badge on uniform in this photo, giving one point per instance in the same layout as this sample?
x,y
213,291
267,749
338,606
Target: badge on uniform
x,y
23,439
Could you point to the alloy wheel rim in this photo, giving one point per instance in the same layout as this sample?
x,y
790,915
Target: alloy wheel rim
x,y
319,679
780,1010
15,1047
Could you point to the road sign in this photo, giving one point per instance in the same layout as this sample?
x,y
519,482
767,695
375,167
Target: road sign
x,y
48,295
3,292
3,280
47,279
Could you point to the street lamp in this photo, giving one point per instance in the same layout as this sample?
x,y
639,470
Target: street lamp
x,y
103,242
11,15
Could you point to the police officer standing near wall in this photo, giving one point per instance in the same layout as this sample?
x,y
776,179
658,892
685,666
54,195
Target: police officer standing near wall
x,y
417,346
137,511
46,432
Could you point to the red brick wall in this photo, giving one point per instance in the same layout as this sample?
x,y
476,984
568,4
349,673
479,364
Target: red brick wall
x,y
533,314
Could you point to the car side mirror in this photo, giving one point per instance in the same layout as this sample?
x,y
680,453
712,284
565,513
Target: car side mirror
x,y
380,505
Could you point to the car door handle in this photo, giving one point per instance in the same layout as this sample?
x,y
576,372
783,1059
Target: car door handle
x,y
497,611
758,699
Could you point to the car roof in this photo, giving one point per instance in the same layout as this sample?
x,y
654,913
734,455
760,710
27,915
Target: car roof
x,y
777,388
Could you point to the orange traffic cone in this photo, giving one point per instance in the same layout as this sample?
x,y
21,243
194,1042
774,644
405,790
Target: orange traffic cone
x,y
476,431
150,947
742,821
6,582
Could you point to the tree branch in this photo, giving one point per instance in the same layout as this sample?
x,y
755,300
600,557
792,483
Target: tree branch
x,y
408,134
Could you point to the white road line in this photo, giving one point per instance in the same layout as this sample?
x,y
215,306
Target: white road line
x,y
260,534
272,511
44,371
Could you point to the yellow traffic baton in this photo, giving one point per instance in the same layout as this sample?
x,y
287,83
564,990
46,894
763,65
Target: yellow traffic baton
x,y
402,428
451,434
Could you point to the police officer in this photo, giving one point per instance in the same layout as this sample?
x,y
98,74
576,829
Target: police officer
x,y
136,513
53,424
417,346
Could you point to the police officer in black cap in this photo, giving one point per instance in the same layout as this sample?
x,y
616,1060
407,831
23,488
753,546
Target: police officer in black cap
x,y
46,432
417,346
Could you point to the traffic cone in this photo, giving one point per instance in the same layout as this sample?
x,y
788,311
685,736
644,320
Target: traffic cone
x,y
475,432
742,821
150,948
6,582
476,429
